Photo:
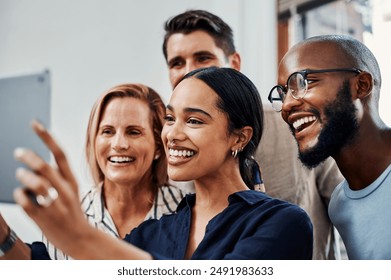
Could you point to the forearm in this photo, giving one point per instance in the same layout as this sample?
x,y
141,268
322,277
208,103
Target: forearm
x,y
19,251
16,250
95,244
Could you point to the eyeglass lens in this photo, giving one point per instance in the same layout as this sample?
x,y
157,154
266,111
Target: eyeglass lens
x,y
297,85
277,96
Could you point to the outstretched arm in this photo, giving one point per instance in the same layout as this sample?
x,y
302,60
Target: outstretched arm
x,y
60,217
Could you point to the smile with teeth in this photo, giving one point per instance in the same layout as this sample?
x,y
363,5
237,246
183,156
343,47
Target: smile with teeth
x,y
298,124
118,159
180,153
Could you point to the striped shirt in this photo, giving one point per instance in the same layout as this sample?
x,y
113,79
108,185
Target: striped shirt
x,y
166,202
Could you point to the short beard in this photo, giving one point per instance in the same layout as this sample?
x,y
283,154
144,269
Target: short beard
x,y
339,130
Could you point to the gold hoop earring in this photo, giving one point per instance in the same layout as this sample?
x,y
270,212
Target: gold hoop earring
x,y
234,153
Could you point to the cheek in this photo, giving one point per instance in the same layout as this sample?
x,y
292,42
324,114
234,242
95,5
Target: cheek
x,y
215,144
148,153
283,115
100,160
145,148
101,146
163,134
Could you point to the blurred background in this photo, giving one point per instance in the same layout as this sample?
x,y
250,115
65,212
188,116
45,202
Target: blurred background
x,y
91,45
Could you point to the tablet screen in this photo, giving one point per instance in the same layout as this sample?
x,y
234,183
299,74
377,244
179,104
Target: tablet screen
x,y
22,99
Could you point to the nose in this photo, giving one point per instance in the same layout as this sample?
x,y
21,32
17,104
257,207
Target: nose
x,y
190,66
120,143
290,102
288,105
173,133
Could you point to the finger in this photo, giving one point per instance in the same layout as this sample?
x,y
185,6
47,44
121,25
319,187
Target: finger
x,y
21,197
38,189
37,184
43,217
58,153
38,165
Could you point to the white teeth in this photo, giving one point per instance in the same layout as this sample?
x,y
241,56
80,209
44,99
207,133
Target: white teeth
x,y
302,121
180,153
118,159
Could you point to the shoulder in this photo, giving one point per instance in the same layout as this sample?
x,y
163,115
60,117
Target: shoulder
x,y
92,199
288,220
288,214
265,214
339,189
287,210
263,203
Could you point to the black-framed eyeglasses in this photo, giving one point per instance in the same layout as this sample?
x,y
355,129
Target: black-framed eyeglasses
x,y
297,85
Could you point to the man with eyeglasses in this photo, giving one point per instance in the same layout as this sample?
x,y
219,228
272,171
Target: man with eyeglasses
x,y
197,38
328,93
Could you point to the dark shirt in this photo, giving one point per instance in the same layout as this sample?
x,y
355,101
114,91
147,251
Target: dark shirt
x,y
253,226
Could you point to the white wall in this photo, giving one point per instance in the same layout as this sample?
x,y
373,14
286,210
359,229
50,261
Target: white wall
x,y
91,45
380,44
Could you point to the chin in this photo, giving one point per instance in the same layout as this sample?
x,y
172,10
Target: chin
x,y
179,176
309,141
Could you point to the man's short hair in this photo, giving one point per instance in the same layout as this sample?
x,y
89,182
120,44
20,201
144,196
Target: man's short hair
x,y
194,20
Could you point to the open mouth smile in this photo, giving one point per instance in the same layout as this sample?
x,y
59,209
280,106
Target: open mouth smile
x,y
180,153
120,159
304,122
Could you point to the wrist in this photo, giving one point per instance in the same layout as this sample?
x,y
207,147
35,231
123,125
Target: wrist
x,y
8,242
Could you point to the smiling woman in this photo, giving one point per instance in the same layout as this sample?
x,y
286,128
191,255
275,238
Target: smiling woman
x,y
214,123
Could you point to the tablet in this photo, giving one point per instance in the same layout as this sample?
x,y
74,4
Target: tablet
x,y
22,99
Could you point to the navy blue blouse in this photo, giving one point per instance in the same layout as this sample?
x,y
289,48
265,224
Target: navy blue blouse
x,y
253,226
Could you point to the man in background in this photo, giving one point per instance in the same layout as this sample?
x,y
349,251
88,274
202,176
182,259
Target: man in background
x,y
196,39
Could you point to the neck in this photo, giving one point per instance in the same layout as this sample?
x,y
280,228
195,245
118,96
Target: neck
x,y
128,205
213,191
365,159
128,196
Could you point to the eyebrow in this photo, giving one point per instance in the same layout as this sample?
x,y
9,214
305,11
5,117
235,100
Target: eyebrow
x,y
131,126
203,53
176,58
191,110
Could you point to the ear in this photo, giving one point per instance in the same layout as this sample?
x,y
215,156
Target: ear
x,y
234,61
243,137
364,85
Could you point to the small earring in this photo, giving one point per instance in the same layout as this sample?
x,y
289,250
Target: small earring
x,y
156,156
234,153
